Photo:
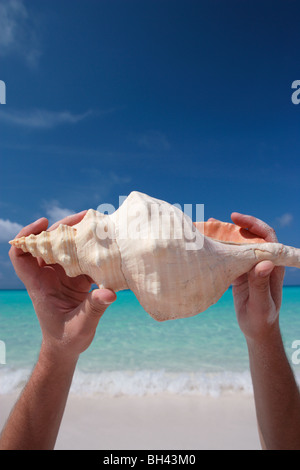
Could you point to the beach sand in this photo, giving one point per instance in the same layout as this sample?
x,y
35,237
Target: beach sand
x,y
159,422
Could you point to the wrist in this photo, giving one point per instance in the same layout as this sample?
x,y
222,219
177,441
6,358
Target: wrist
x,y
54,357
268,339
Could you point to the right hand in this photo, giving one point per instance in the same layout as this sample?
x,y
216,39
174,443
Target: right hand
x,y
258,294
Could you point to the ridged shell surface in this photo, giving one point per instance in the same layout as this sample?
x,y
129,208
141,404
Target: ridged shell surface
x,y
154,249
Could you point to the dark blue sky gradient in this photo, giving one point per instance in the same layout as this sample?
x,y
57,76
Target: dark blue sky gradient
x,y
188,101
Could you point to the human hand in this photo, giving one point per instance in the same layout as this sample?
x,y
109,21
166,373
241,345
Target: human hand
x,y
258,294
67,311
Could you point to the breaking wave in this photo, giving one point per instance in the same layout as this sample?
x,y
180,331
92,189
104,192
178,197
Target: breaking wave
x,y
140,383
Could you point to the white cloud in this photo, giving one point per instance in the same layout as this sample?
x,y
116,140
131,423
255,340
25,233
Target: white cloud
x,y
41,118
151,140
8,230
55,213
18,32
285,219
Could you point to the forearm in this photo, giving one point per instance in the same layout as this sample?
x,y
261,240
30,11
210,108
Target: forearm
x,y
34,421
276,393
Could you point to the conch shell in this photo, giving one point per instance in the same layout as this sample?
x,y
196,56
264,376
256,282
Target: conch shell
x,y
154,249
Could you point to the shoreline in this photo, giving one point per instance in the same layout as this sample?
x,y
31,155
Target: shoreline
x,y
23,289
162,421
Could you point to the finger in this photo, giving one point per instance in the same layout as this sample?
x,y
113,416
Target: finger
x,y
256,226
276,284
259,284
34,227
96,303
69,220
263,269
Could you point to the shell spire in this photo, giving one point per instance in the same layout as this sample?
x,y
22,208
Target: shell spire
x,y
56,246
154,249
86,248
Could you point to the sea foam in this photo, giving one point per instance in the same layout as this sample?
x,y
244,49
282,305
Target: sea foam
x,y
141,382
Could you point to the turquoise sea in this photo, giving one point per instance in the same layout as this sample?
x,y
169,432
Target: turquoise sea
x,y
133,354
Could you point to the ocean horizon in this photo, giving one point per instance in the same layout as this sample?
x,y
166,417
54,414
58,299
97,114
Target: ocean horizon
x,y
132,354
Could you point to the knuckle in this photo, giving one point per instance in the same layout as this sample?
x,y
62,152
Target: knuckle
x,y
95,310
272,233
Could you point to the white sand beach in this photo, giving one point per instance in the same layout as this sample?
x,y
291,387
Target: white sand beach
x,y
162,421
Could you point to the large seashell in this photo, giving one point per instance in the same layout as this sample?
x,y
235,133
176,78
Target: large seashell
x,y
154,249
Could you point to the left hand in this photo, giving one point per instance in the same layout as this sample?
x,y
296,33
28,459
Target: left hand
x,y
67,311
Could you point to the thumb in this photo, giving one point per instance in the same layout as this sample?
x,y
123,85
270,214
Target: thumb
x,y
259,282
97,302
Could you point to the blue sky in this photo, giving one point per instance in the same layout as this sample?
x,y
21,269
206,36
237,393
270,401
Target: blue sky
x,y
187,101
